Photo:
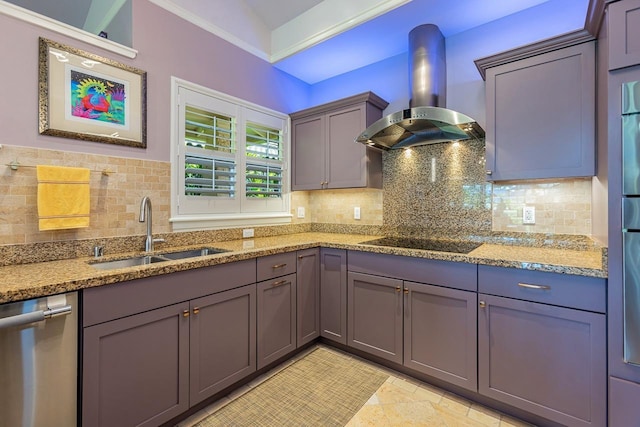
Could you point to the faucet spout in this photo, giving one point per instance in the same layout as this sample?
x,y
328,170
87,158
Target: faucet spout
x,y
145,215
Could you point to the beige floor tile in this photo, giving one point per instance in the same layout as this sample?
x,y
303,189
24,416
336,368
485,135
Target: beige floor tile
x,y
411,414
405,385
369,416
431,394
484,415
389,393
455,403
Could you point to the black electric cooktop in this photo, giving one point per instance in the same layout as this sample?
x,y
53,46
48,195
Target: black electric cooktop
x,y
425,244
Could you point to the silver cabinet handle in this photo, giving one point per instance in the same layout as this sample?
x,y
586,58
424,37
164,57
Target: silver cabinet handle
x,y
279,266
539,287
35,316
280,283
305,256
482,304
489,171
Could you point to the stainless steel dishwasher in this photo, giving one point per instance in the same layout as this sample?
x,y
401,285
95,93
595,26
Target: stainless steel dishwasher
x,y
38,362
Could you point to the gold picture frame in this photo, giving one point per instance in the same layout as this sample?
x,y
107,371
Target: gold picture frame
x,y
91,98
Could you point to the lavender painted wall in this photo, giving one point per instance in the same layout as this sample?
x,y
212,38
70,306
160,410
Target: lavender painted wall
x,y
167,45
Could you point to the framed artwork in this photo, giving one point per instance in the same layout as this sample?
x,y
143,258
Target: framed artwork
x,y
88,97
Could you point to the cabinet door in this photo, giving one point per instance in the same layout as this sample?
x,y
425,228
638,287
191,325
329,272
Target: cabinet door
x,y
276,319
308,295
624,34
136,369
333,294
347,160
541,116
440,333
308,153
222,341
544,359
375,315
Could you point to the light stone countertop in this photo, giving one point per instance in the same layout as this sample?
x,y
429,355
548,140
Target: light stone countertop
x,y
25,281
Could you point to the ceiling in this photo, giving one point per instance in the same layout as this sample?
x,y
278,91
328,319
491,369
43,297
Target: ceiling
x,y
313,40
318,39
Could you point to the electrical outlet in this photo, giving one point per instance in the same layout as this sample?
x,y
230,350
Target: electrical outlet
x,y
247,232
300,211
356,212
528,215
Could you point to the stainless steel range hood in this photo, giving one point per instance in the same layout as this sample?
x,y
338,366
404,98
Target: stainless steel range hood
x,y
425,122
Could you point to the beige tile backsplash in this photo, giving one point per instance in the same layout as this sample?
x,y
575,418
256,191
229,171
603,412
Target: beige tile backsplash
x,y
561,206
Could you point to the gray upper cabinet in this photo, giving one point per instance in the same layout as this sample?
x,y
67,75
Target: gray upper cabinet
x,y
333,294
308,295
324,153
541,115
624,34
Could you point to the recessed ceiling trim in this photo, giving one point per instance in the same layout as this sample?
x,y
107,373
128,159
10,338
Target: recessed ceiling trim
x,y
300,27
208,26
100,15
65,29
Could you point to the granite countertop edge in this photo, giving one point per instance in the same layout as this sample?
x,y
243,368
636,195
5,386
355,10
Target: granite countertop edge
x,y
26,281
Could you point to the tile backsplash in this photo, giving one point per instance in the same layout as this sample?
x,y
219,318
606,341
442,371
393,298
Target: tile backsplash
x,y
453,196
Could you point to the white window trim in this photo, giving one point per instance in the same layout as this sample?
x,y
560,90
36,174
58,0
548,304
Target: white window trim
x,y
215,221
34,18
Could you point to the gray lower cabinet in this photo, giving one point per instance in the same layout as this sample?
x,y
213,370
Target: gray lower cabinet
x,y
375,315
440,336
624,396
544,359
333,294
136,369
222,341
308,295
276,308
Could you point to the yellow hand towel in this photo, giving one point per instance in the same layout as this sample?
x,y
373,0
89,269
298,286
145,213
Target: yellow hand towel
x,y
63,197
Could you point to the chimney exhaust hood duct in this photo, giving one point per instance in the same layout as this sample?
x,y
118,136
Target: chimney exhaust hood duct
x,y
425,122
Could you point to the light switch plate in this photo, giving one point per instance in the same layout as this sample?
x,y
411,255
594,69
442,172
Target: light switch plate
x,y
300,211
356,212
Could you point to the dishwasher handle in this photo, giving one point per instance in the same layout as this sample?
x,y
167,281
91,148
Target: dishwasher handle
x,y
35,316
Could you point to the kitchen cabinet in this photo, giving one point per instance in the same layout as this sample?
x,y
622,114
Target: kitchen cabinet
x,y
546,358
276,319
148,344
135,369
440,336
624,396
324,151
222,339
624,34
429,327
541,115
308,296
333,294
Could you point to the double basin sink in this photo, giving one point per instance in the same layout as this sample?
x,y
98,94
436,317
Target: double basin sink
x,y
152,259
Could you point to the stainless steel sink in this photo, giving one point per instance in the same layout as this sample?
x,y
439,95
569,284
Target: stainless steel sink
x,y
192,253
128,262
151,259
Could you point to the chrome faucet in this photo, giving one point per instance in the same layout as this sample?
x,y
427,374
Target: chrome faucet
x,y
145,214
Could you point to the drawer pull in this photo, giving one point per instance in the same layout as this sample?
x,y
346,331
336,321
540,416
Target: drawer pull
x,y
406,291
196,310
398,288
482,304
280,282
539,287
305,256
185,313
279,265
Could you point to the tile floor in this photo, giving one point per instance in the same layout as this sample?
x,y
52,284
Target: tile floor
x,y
400,401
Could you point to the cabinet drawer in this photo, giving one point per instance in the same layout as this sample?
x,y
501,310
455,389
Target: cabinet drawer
x,y
110,302
276,265
451,274
584,293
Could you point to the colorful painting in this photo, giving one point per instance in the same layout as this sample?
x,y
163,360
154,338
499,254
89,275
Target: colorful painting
x,y
96,98
85,96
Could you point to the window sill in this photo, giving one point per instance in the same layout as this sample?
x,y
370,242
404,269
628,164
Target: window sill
x,y
209,222
65,29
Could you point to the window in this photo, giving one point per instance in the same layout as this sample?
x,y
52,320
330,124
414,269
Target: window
x,y
229,161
